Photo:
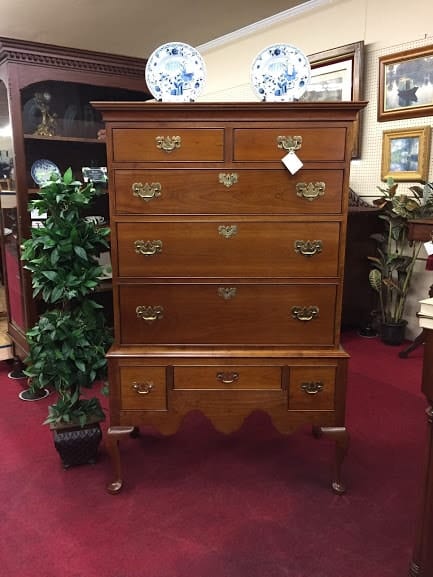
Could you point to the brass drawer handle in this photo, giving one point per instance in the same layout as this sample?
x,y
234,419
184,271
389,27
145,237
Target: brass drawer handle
x,y
305,313
312,388
227,378
150,313
227,231
308,247
168,143
227,293
143,388
146,191
311,190
148,247
228,179
290,143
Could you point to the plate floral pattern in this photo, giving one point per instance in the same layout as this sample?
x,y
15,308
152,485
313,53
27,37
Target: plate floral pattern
x,y
175,72
42,170
280,73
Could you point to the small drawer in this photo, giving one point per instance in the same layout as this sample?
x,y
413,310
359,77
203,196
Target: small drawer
x,y
227,378
143,388
275,191
168,144
318,144
312,388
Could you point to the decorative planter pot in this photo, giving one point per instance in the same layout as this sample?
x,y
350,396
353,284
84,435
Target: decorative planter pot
x,y
393,333
77,445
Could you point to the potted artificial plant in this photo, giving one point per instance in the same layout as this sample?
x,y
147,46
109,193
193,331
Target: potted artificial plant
x,y
67,345
393,266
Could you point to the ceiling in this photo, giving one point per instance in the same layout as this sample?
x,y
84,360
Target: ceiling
x,y
131,27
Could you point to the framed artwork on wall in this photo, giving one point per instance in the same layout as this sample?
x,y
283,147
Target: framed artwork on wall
x,y
405,154
337,75
406,84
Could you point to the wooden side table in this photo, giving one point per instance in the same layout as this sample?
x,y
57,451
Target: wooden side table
x,y
419,230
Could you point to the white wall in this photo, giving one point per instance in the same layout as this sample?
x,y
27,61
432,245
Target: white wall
x,y
385,26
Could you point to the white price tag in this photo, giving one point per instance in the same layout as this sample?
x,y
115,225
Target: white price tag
x,y
292,162
429,247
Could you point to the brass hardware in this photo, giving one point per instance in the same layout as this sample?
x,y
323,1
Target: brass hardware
x,y
168,143
150,313
143,388
289,143
312,388
148,247
311,190
227,378
227,293
308,247
305,313
227,231
227,179
146,191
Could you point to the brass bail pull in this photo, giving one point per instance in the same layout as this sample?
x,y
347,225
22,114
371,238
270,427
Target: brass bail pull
x,y
305,314
146,191
168,143
289,143
143,388
312,388
227,378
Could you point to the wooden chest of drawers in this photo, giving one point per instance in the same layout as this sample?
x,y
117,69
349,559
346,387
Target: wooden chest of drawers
x,y
227,269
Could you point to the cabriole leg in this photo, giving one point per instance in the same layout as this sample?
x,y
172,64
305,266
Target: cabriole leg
x,y
341,438
114,434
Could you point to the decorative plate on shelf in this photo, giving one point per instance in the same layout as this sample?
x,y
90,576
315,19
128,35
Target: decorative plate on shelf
x,y
42,170
175,72
280,73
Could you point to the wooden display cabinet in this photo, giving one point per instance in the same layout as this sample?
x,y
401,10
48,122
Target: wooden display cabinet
x,y
45,94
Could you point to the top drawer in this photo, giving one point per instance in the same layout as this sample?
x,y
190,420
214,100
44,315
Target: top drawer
x,y
271,144
168,144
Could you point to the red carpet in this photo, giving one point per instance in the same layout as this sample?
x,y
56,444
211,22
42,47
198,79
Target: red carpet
x,y
201,504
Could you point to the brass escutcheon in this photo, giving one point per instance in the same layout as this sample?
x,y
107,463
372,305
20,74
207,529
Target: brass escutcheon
x,y
143,388
312,388
227,231
228,179
146,191
308,247
148,247
149,313
168,143
307,313
310,190
227,292
289,143
227,378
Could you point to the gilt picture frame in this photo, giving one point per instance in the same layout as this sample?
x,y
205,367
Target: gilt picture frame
x,y
405,84
337,75
405,154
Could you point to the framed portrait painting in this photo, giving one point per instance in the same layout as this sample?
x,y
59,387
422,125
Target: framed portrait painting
x,y
406,84
405,154
337,75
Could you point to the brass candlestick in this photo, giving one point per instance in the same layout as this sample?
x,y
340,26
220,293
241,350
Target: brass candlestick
x,y
48,124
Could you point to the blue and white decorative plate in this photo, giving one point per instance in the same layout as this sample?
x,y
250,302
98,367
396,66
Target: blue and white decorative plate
x,y
42,170
280,73
175,72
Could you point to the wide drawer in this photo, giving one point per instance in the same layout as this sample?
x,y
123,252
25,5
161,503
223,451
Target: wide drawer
x,y
143,388
168,144
228,192
318,144
312,388
227,314
228,248
227,377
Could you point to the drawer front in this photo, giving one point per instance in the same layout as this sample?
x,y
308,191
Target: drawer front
x,y
143,388
227,314
168,144
318,144
228,192
312,388
227,378
228,248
